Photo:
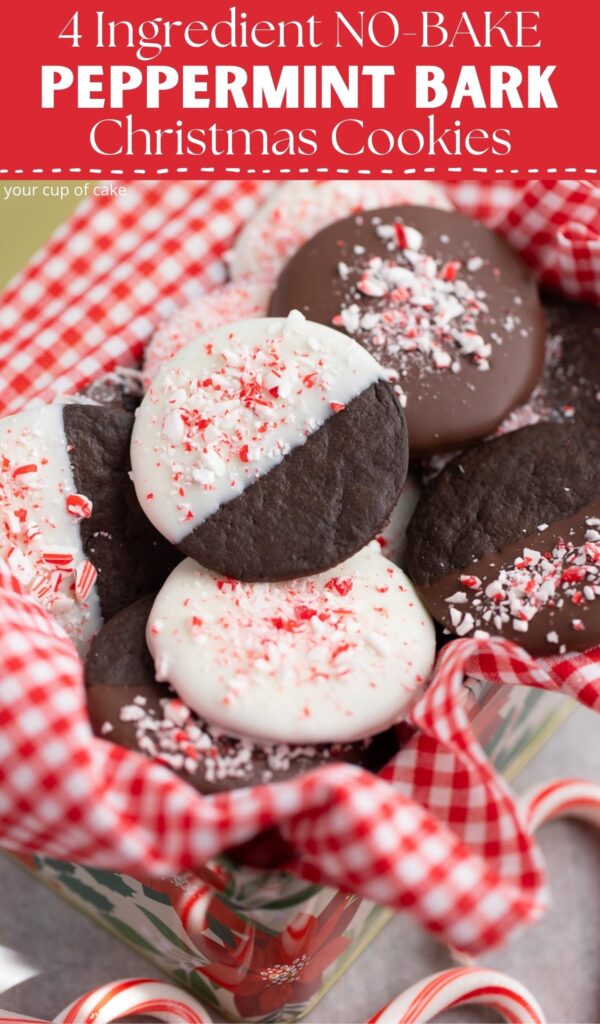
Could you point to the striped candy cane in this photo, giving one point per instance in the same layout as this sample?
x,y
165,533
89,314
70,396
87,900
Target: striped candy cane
x,y
563,798
458,987
6,1017
134,996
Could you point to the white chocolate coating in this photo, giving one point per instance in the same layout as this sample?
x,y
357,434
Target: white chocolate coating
x,y
328,658
224,305
230,406
39,538
299,209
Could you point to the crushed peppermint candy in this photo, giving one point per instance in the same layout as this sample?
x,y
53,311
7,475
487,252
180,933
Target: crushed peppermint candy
x,y
39,516
177,738
423,309
567,577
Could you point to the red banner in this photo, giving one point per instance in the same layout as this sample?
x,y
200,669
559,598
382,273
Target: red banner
x,y
240,90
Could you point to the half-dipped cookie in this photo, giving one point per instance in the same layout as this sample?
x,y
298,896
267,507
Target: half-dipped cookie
x,y
129,707
71,530
269,449
325,659
443,303
506,540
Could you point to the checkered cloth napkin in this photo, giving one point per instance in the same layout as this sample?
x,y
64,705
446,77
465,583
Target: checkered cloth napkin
x,y
437,833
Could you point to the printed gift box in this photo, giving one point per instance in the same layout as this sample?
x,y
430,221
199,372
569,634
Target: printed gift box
x,y
262,944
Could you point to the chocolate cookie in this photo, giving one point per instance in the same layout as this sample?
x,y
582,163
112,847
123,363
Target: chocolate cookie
x,y
70,523
506,540
269,449
326,659
442,302
130,708
130,556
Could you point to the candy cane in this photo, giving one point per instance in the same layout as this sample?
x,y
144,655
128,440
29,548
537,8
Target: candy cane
x,y
190,897
130,996
563,798
6,1017
458,987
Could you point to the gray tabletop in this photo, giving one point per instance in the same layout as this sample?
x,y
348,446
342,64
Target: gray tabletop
x,y
49,953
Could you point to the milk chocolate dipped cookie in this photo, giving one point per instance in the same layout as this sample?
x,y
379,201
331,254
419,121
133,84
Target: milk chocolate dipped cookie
x,y
129,707
269,449
331,658
442,302
298,209
224,305
506,540
71,532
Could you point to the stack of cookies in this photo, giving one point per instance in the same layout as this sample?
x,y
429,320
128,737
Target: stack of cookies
x,y
365,431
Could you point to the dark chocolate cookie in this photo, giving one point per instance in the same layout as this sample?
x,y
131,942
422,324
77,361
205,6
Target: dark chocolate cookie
x,y
442,302
270,449
506,540
130,556
129,707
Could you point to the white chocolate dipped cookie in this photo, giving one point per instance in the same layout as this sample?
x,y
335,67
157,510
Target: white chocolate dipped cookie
x,y
392,538
332,658
269,449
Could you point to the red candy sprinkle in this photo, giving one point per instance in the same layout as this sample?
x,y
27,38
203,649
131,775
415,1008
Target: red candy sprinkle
x,y
80,506
450,270
85,577
341,586
61,558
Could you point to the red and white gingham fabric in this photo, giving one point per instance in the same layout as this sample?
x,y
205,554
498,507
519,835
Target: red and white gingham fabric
x,y
555,225
437,834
